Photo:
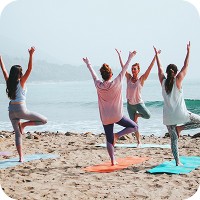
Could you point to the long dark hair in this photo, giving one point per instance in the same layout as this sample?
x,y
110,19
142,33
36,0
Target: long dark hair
x,y
13,79
171,73
106,71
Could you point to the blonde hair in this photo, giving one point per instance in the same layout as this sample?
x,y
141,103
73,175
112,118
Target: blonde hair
x,y
138,66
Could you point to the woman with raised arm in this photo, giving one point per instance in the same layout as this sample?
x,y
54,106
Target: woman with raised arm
x,y
175,112
110,103
16,91
135,105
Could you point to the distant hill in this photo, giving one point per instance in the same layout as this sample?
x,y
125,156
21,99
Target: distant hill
x,y
44,71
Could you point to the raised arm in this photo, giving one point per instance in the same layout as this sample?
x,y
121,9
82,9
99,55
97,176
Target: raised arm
x,y
5,73
128,75
89,66
160,69
146,74
182,73
28,71
130,56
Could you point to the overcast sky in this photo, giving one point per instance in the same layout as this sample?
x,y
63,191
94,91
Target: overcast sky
x,y
64,31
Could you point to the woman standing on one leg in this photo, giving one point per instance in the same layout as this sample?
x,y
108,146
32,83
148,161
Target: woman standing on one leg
x,y
110,103
16,91
174,109
135,105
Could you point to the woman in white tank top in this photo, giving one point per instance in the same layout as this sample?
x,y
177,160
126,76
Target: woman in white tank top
x,y
175,112
135,105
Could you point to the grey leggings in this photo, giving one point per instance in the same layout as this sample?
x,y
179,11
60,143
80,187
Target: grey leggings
x,y
192,124
19,111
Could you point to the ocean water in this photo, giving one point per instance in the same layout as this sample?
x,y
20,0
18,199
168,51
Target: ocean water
x,y
72,106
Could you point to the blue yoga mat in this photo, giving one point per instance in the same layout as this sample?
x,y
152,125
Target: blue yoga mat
x,y
15,161
135,145
189,164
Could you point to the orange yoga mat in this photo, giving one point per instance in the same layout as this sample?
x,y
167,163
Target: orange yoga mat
x,y
122,163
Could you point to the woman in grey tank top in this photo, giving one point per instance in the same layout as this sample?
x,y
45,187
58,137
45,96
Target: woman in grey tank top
x,y
175,112
16,91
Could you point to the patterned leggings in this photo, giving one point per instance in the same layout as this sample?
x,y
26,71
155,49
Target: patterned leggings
x,y
192,124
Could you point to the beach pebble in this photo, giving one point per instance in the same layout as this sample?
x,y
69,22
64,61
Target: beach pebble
x,y
166,135
88,134
67,134
29,137
196,135
36,137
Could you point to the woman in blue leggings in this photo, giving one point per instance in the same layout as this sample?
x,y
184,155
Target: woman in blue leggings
x,y
110,103
16,91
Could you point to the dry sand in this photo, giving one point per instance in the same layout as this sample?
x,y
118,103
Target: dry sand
x,y
63,178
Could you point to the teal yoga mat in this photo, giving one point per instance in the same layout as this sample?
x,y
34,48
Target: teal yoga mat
x,y
142,146
189,163
12,162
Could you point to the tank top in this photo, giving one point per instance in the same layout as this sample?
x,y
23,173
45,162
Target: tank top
x,y
20,94
133,92
174,109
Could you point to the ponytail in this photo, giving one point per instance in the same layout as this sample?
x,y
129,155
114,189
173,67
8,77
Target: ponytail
x,y
171,73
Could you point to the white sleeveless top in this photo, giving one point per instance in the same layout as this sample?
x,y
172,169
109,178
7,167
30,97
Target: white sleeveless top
x,y
20,94
133,92
174,109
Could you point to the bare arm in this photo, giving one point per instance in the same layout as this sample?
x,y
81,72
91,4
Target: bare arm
x,y
130,56
146,74
89,66
160,69
184,69
5,73
28,71
128,75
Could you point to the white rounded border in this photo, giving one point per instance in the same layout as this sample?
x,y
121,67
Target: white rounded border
x,y
4,3
195,3
3,196
196,196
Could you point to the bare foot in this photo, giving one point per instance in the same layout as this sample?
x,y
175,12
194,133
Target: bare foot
x,y
136,117
115,139
21,128
178,131
179,164
139,145
21,160
114,163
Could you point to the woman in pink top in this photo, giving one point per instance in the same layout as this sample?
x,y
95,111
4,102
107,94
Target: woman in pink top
x,y
135,105
110,103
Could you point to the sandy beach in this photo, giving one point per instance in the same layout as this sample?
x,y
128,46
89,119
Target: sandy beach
x,y
63,178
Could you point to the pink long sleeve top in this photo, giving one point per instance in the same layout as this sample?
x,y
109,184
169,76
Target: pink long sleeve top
x,y
110,97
